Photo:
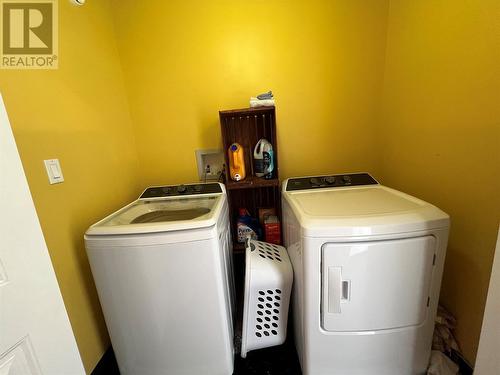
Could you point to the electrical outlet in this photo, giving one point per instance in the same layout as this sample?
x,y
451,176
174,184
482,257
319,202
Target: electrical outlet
x,y
210,164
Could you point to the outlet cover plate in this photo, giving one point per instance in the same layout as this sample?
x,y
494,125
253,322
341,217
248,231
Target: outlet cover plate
x,y
213,158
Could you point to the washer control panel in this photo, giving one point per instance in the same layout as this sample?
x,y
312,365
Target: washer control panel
x,y
178,190
332,181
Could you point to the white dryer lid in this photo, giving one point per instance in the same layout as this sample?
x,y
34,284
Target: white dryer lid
x,y
361,210
161,215
360,201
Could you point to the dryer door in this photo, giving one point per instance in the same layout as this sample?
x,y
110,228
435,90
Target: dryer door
x,y
376,285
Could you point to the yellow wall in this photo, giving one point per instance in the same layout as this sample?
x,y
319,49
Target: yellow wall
x,y
437,102
440,134
183,61
78,114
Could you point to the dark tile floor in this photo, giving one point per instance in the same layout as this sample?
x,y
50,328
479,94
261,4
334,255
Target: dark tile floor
x,y
278,360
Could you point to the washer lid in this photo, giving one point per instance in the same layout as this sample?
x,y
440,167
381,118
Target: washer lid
x,y
362,210
161,215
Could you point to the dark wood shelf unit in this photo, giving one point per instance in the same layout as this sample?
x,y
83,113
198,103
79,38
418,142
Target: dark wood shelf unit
x,y
238,248
246,127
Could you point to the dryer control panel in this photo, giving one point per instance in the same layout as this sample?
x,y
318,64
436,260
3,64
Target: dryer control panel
x,y
177,190
332,181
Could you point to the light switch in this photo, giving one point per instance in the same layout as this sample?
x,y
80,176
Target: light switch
x,y
54,171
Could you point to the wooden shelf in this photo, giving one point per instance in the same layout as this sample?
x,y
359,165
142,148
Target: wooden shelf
x,y
252,182
247,126
246,111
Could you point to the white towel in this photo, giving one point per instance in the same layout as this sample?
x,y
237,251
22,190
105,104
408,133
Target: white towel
x,y
255,102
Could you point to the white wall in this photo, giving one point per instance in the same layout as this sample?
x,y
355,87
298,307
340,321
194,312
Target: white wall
x,y
488,357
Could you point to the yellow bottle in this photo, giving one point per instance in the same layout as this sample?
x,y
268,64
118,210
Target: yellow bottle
x,y
236,162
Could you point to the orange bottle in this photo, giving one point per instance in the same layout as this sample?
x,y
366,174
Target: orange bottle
x,y
236,162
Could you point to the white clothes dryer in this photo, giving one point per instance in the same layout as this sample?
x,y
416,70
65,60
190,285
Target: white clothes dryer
x,y
368,262
163,270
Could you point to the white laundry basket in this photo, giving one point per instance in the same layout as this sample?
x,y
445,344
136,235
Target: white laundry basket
x,y
268,283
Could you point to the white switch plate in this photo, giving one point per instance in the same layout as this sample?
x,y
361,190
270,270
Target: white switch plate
x,y
54,171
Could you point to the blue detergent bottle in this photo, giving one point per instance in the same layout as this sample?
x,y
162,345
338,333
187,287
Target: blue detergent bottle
x,y
247,227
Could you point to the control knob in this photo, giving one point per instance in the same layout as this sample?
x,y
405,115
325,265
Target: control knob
x,y
315,181
330,180
181,189
346,179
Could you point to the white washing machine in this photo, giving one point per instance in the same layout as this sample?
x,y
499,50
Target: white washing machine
x,y
367,263
163,270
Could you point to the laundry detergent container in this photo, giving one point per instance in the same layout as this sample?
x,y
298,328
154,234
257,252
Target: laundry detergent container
x,y
268,284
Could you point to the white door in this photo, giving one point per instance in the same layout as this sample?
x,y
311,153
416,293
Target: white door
x,y
390,279
488,360
35,333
